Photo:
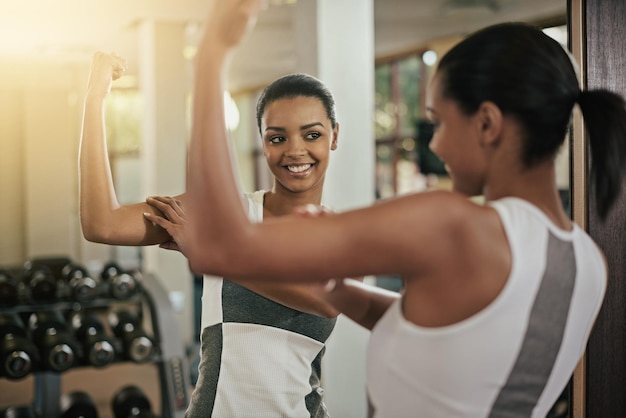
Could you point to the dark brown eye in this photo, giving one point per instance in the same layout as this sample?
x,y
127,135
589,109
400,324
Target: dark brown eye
x,y
276,139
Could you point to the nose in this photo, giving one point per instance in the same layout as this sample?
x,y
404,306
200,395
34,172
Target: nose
x,y
433,144
296,148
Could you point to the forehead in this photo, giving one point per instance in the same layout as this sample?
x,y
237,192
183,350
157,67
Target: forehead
x,y
302,108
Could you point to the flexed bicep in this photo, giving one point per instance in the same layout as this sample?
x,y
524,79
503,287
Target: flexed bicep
x,y
103,219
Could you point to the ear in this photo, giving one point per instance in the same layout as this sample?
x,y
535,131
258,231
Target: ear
x,y
489,122
333,144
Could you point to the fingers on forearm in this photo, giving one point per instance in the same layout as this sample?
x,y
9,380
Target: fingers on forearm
x,y
167,205
157,220
159,202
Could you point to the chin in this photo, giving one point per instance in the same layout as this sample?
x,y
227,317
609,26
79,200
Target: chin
x,y
296,188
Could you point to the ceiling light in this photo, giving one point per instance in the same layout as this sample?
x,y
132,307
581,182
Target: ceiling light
x,y
429,57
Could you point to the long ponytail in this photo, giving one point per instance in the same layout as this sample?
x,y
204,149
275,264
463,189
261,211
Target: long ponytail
x,y
604,113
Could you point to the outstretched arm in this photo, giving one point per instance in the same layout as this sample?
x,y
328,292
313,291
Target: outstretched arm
x,y
390,237
102,218
362,303
295,295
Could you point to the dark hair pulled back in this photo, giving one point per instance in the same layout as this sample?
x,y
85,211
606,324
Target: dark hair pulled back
x,y
296,85
531,78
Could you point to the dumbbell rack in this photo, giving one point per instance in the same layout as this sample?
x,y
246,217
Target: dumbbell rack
x,y
168,352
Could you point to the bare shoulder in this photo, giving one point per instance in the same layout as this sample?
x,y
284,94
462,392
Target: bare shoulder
x,y
447,214
467,263
468,228
428,230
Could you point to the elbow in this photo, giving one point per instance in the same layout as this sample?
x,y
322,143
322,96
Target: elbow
x,y
205,261
89,233
89,227
95,234
217,254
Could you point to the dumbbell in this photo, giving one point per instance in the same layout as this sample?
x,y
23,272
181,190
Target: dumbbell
x,y
18,355
82,286
41,282
121,284
25,411
127,327
131,402
57,347
8,288
78,404
54,264
98,349
41,274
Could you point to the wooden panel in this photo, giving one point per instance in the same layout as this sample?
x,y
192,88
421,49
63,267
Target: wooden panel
x,y
606,354
578,181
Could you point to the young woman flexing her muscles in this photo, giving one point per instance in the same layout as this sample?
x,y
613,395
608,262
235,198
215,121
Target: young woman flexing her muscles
x,y
499,298
261,344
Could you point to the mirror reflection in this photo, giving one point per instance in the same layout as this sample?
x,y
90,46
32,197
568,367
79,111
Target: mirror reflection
x,y
45,60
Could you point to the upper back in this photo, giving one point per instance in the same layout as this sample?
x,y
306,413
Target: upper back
x,y
518,353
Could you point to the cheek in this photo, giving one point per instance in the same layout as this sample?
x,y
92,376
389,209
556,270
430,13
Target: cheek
x,y
320,151
271,155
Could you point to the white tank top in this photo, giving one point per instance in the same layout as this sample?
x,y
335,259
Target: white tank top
x,y
513,358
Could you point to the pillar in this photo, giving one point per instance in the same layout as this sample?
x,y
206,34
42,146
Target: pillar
x,y
334,40
164,85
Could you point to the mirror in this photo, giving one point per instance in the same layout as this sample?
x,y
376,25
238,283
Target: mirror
x,y
44,63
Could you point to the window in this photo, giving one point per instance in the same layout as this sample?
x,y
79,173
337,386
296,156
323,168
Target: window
x,y
403,160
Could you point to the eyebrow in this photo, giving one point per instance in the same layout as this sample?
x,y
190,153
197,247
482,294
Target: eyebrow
x,y
302,128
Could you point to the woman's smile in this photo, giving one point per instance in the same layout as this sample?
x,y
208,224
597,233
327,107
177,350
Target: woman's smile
x,y
299,170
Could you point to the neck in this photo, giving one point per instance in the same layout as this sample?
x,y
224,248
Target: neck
x,y
537,185
280,201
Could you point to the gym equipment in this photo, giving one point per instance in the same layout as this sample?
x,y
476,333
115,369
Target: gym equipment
x,y
8,288
41,283
131,402
17,352
127,327
98,348
53,264
121,284
78,404
41,274
82,286
57,348
172,361
25,411
60,328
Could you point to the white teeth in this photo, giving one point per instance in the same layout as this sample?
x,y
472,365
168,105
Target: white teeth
x,y
298,168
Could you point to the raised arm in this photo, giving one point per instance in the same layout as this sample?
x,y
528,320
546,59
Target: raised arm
x,y
411,236
102,217
209,155
222,241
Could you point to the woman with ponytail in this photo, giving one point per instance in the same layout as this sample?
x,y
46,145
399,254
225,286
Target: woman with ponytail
x,y
499,297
